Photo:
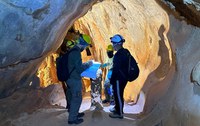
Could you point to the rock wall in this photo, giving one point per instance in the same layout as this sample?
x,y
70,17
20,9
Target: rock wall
x,y
185,93
30,30
180,105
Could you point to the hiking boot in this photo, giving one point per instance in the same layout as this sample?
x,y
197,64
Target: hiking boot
x,y
77,121
115,115
105,101
81,114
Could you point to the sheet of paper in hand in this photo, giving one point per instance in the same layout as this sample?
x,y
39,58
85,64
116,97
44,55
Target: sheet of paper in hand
x,y
91,71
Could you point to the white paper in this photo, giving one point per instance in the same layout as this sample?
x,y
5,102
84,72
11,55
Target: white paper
x,y
91,71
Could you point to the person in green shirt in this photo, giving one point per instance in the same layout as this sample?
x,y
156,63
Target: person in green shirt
x,y
109,98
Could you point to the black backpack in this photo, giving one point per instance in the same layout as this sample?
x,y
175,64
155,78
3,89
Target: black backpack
x,y
133,69
62,67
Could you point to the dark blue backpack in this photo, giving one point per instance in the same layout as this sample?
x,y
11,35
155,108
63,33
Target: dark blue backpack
x,y
132,67
62,67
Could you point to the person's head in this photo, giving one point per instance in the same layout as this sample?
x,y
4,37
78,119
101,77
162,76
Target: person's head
x,y
70,44
66,46
84,41
117,41
110,51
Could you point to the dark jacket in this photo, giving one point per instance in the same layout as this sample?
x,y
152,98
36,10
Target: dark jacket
x,y
75,62
120,64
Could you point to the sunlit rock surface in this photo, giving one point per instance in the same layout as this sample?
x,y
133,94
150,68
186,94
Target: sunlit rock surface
x,y
30,30
47,71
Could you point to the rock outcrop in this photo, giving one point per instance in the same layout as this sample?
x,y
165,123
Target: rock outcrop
x,y
27,100
30,30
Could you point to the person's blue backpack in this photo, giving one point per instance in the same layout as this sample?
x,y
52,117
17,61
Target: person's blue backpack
x,y
62,67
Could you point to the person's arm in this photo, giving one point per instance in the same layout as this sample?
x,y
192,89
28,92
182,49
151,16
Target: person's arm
x,y
79,66
108,63
104,65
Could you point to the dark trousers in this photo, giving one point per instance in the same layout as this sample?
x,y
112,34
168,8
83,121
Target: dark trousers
x,y
68,95
75,89
118,90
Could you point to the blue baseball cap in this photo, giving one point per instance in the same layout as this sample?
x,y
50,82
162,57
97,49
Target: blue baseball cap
x,y
117,39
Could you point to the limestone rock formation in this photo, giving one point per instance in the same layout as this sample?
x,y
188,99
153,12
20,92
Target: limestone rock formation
x,y
30,30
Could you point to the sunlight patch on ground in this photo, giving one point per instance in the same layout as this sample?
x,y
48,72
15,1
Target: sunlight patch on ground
x,y
128,109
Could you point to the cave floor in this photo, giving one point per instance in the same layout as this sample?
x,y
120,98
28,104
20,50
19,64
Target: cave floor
x,y
59,117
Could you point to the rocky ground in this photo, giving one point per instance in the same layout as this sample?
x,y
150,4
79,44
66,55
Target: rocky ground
x,y
45,107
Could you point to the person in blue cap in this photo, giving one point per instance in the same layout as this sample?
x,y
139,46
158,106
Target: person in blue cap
x,y
118,80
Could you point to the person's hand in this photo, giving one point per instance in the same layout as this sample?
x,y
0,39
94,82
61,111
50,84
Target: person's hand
x,y
90,63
